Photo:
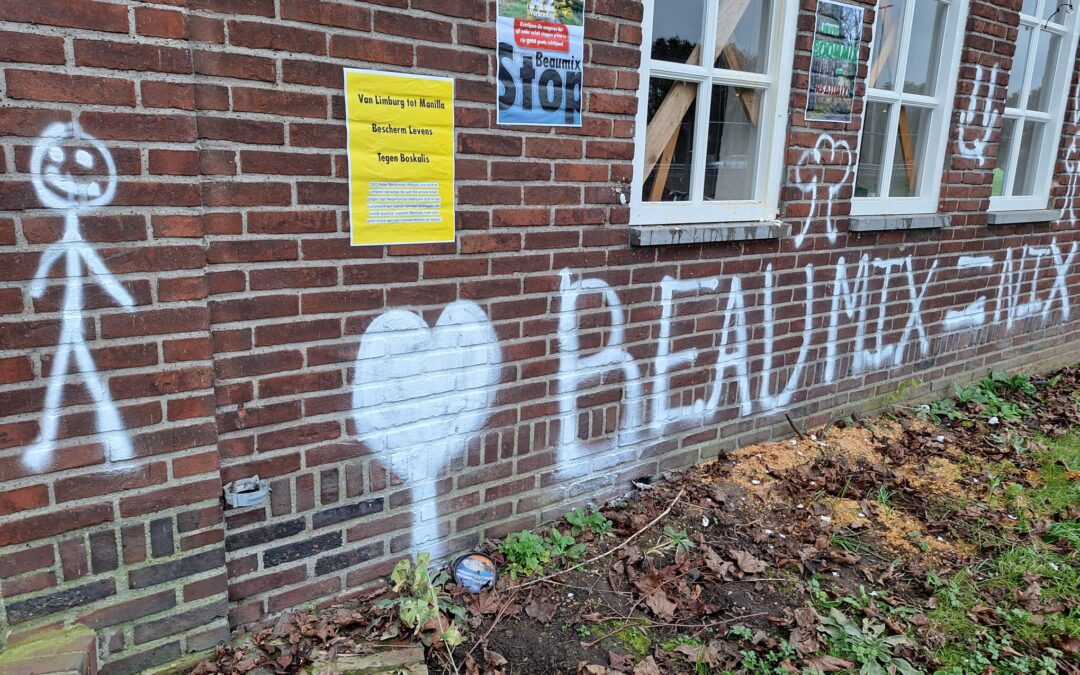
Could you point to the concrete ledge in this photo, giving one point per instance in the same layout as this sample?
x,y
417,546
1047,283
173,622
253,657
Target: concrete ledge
x,y
72,651
1023,217
671,235
891,223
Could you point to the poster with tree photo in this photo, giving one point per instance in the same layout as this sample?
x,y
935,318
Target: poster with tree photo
x,y
835,62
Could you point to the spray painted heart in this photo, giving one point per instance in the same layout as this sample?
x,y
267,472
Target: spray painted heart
x,y
420,392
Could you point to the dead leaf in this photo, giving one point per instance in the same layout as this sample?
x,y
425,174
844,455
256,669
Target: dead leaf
x,y
647,667
494,659
1029,598
621,662
748,563
541,609
718,565
805,641
661,605
827,664
483,604
585,668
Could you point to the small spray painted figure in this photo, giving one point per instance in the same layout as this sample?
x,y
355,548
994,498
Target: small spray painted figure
x,y
75,173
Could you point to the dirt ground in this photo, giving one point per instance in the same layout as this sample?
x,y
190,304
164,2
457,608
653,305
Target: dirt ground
x,y
737,565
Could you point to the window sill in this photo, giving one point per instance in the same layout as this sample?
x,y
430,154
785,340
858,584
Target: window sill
x,y
892,223
1024,217
673,235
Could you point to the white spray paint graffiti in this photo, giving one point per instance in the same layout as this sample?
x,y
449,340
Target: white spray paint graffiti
x,y
1072,161
420,393
974,315
51,165
986,118
854,301
810,177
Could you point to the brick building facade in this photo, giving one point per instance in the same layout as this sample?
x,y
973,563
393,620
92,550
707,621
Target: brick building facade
x,y
205,320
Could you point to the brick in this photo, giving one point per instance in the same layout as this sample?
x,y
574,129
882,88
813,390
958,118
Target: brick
x,y
284,163
33,608
280,38
318,589
36,85
308,548
165,572
19,47
73,558
335,14
128,611
16,369
171,497
167,95
142,661
163,23
110,482
88,14
115,126
26,560
200,590
264,535
17,531
161,537
286,103
291,222
340,561
235,66
179,622
114,55
103,556
23,499
263,8
342,514
389,52
29,584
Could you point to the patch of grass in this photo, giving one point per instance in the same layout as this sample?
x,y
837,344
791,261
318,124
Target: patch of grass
x,y
1006,612
634,639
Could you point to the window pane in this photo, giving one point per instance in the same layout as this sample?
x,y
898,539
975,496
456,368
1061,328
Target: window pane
x,y
746,47
734,131
669,140
1019,68
1004,160
677,31
887,32
910,150
872,150
1031,6
1042,79
924,51
1028,158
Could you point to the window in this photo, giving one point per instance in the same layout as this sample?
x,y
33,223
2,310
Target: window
x,y
909,96
1034,106
710,138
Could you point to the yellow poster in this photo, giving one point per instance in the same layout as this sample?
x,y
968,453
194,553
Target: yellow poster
x,y
401,157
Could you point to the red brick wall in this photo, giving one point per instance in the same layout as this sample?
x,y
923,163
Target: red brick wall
x,y
229,230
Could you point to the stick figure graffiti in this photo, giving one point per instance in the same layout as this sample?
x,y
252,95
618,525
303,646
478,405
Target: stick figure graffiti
x,y
75,172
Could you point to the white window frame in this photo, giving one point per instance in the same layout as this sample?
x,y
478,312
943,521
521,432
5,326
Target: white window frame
x,y
773,131
1053,118
937,142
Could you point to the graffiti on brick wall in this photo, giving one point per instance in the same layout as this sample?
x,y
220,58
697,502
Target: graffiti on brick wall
x,y
985,118
1072,160
813,179
877,316
420,394
74,173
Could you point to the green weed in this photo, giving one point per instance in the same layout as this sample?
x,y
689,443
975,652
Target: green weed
x,y
592,521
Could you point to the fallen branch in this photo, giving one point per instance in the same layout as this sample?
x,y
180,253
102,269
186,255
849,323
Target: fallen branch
x,y
798,432
654,624
510,600
608,552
